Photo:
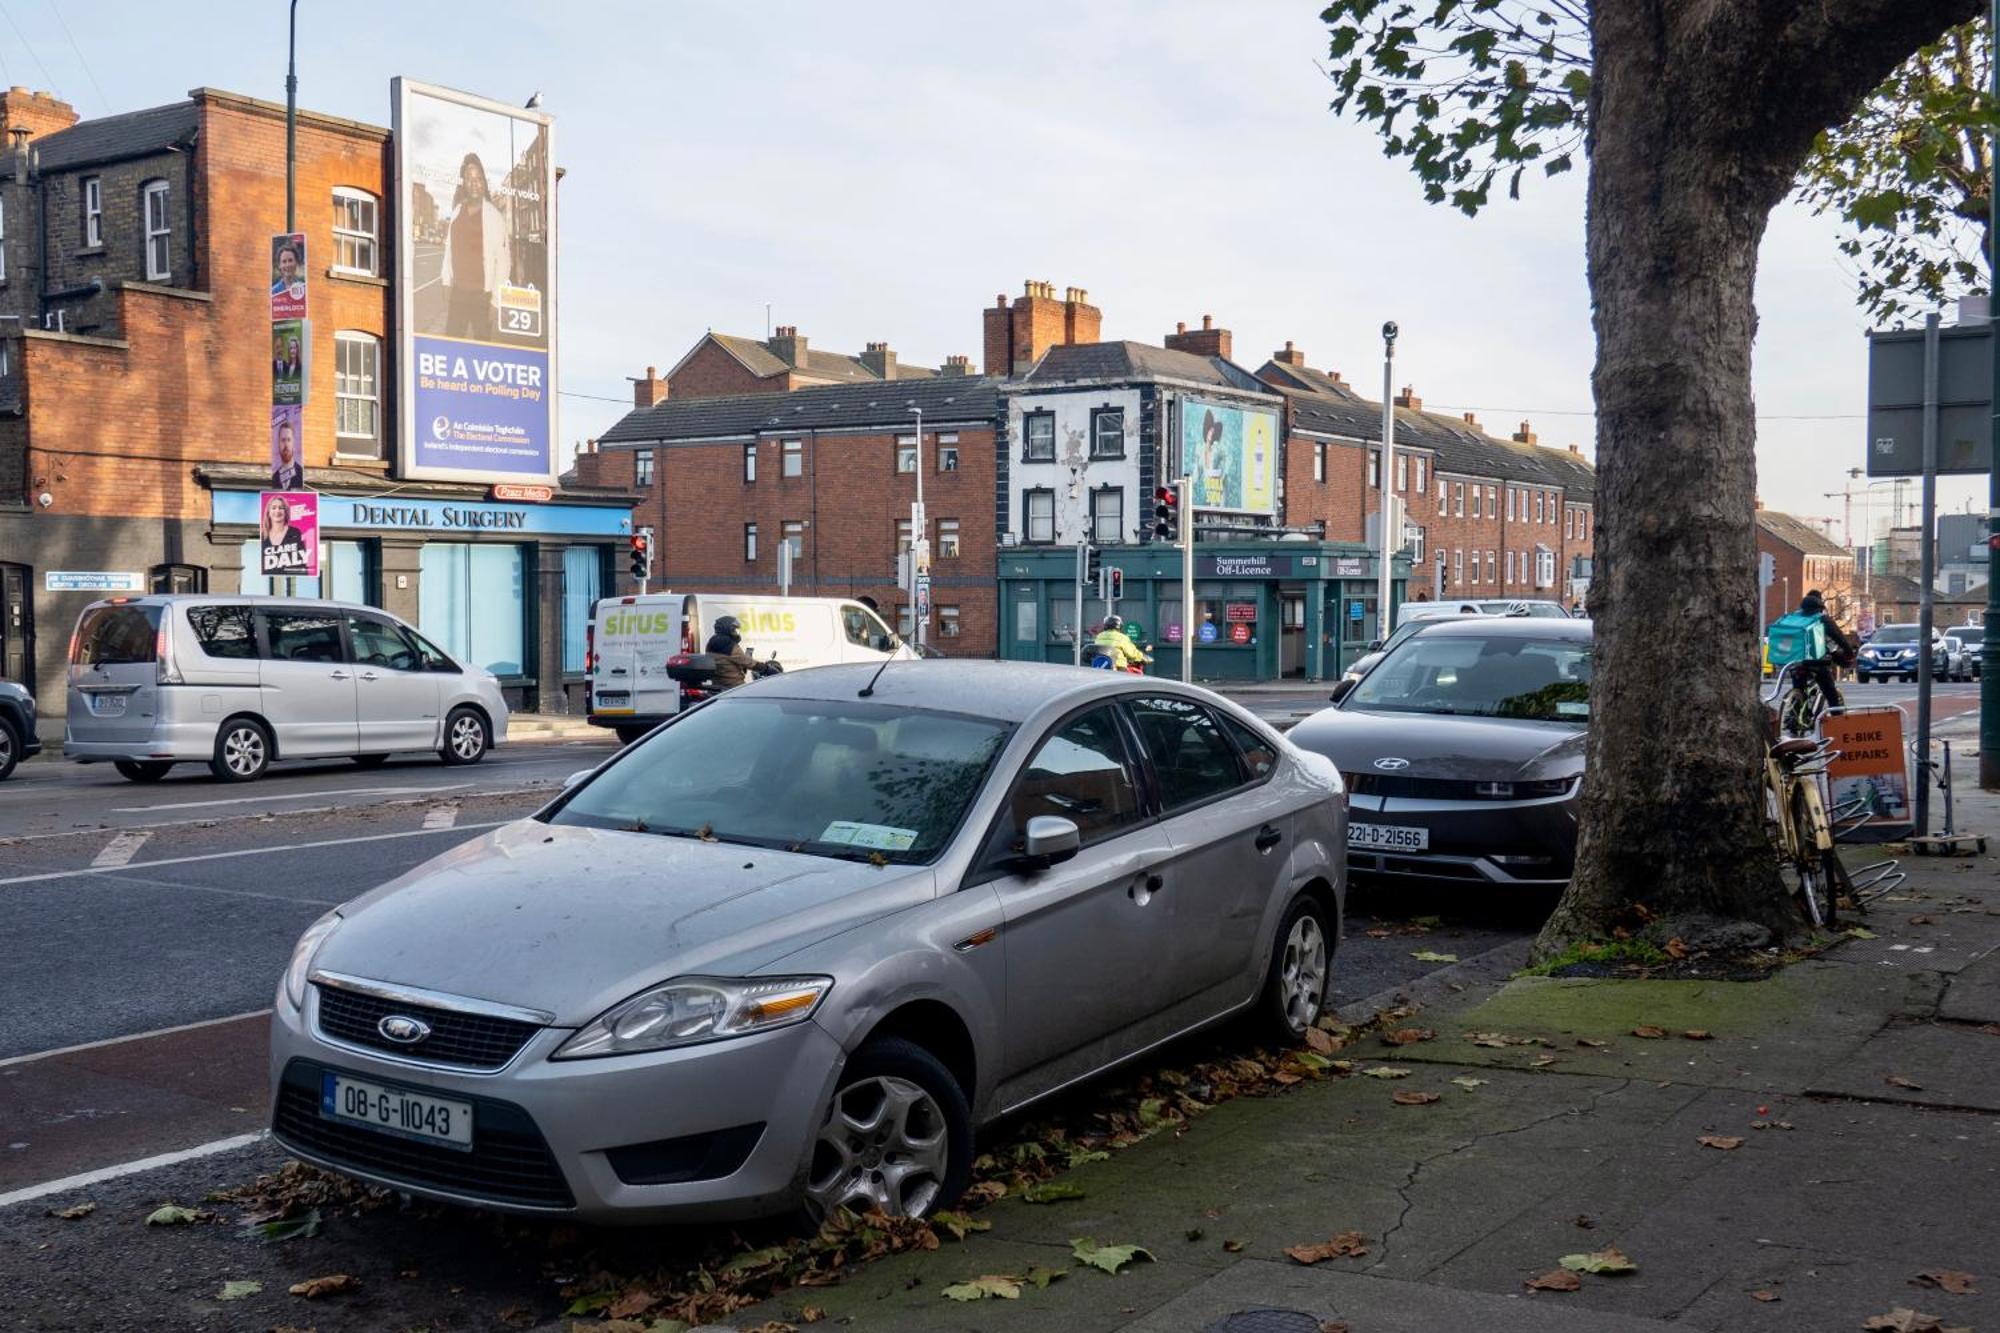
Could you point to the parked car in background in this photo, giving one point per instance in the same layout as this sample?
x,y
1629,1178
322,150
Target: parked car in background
x,y
795,945
18,740
1968,650
1378,649
1540,608
1892,652
238,682
1409,611
1463,752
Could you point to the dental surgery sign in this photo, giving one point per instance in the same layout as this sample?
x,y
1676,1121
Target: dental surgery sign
x,y
475,285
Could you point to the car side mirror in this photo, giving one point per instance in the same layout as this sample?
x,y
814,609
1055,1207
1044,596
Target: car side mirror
x,y
577,777
1049,840
1341,689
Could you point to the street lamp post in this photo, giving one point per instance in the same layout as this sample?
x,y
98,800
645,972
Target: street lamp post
x,y
1383,620
292,121
920,564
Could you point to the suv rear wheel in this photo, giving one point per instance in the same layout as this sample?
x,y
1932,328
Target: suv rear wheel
x,y
242,751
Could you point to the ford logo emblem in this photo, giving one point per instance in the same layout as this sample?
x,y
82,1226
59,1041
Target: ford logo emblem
x,y
403,1030
1390,763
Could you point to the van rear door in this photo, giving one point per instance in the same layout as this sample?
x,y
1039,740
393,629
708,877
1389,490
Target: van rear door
x,y
633,638
114,674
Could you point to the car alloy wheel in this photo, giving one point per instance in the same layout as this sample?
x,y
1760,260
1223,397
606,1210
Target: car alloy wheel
x,y
241,752
464,737
1302,972
885,1145
9,751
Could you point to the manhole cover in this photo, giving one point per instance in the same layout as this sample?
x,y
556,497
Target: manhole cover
x,y
1266,1321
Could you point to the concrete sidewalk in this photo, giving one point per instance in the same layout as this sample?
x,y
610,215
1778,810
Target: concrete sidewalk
x,y
1850,1105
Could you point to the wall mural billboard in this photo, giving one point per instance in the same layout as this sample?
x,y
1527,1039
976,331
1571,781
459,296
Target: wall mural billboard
x,y
475,277
1231,454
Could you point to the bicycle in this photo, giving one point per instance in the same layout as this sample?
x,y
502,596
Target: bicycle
x,y
1802,831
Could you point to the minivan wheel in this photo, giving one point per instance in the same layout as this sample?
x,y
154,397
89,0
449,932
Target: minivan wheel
x,y
897,1136
1301,966
464,737
10,748
141,770
242,751
626,735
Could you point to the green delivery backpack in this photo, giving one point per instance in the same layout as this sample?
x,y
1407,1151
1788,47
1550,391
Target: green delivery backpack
x,y
1797,637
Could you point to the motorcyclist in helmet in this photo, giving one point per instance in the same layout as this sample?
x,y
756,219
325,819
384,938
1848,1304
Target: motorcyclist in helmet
x,y
1112,643
733,662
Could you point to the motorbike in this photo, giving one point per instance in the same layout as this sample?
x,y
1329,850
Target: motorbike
x,y
695,674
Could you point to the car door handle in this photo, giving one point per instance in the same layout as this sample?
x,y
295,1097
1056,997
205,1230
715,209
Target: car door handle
x,y
1142,891
336,675
368,675
1268,837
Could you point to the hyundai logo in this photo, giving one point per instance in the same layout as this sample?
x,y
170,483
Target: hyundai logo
x,y
1389,764
403,1030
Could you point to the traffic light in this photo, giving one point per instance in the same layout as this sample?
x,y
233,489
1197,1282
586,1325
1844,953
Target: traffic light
x,y
1093,565
1116,587
1166,514
642,554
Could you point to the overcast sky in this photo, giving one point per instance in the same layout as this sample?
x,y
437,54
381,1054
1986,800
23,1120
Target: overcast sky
x,y
880,171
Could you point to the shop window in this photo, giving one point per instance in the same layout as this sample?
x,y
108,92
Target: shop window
x,y
1107,515
473,601
1319,462
157,211
1027,616
947,541
583,584
793,458
179,578
907,449
93,212
750,543
1107,433
793,534
947,622
357,393
749,463
1038,437
1038,509
354,231
642,468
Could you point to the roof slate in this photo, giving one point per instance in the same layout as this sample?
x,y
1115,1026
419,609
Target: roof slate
x,y
1800,536
1135,360
762,362
876,404
133,134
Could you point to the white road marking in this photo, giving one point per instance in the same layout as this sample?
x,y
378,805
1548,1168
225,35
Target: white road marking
x,y
120,849
242,851
280,796
136,1036
103,1174
440,816
538,787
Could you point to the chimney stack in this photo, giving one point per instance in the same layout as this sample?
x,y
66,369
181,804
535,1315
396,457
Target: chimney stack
x,y
1575,450
787,345
37,112
1525,435
1408,398
879,359
1291,356
956,365
1204,341
1472,421
649,389
1016,335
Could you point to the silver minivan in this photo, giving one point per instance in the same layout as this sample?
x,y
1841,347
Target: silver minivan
x,y
236,682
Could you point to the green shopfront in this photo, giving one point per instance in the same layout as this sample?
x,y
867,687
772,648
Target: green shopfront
x,y
1262,610
504,585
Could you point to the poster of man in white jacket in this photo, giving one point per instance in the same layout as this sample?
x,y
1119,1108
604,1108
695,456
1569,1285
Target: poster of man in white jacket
x,y
477,254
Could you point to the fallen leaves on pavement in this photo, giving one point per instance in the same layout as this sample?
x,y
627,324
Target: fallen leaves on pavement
x,y
331,1285
1385,1071
1407,1036
1556,1279
1541,1062
1953,1280
1765,1296
632,1304
1898,1081
1902,1319
1110,1258
1404,1098
1427,956
1610,1259
285,1228
74,1211
980,1288
1723,1142
1468,1082
1698,1034
1052,1191
238,1289
1346,1245
173,1215
1649,1032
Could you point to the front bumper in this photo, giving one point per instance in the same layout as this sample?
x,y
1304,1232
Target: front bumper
x,y
704,1133
1515,844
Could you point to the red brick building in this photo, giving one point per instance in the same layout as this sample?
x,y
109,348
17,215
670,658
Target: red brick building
x,y
135,391
722,363
1803,558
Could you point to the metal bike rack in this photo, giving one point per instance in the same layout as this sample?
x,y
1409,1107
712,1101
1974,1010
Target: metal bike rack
x,y
1951,842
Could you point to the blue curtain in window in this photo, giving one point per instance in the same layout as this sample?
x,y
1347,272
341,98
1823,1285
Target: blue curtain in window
x,y
473,603
583,571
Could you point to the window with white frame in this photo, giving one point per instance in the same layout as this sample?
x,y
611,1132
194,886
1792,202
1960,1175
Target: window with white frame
x,y
1458,568
1402,472
1510,567
750,542
902,536
1475,501
1492,568
1107,515
1492,502
947,622
642,467
1107,433
157,210
906,453
1538,506
1458,498
1038,437
1420,474
3,240
1569,522
1038,511
1374,470
357,393
1545,568
354,231
792,455
1511,493
793,531
947,538
93,212
906,621
749,463
1443,499
1416,536
1319,462
947,451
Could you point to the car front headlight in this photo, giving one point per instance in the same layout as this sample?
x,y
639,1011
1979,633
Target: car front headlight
x,y
300,967
693,1010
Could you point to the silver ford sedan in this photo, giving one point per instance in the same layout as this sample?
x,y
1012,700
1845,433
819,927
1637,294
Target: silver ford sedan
x,y
794,946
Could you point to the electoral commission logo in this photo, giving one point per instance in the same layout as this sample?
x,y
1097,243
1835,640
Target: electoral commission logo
x,y
440,427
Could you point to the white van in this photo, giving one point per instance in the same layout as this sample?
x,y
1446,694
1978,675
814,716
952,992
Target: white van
x,y
631,639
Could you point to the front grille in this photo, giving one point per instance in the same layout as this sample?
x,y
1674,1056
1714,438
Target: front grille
x,y
1437,789
470,1041
509,1161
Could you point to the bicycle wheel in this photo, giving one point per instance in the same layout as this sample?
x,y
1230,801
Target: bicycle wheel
x,y
1815,888
1841,887
1797,712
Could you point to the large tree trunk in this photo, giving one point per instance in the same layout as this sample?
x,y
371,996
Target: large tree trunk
x,y
1702,112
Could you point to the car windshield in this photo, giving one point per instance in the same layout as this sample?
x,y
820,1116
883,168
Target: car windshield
x,y
856,780
1895,634
1510,675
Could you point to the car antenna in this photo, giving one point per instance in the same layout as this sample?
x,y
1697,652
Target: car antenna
x,y
869,689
